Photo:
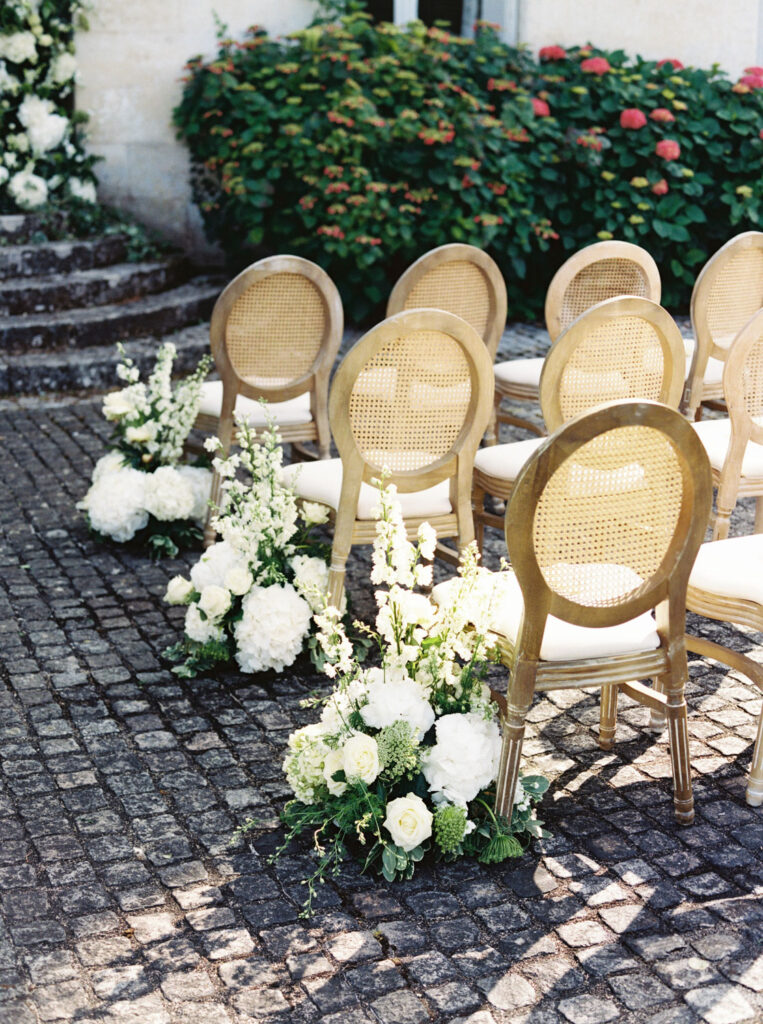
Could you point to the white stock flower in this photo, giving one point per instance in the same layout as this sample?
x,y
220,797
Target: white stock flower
x,y
311,578
214,565
272,629
179,590
340,705
427,541
214,601
239,580
28,190
111,462
334,762
201,630
313,513
391,700
200,481
464,759
360,758
408,821
63,68
19,47
115,504
168,495
84,190
45,129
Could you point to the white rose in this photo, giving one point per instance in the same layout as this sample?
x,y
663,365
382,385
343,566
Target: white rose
x,y
214,565
19,47
408,821
333,763
28,190
360,758
464,759
144,432
84,190
239,580
214,601
169,497
313,514
117,404
179,590
201,630
391,699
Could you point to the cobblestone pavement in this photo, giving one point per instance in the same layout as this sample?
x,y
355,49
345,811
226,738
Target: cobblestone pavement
x,y
123,900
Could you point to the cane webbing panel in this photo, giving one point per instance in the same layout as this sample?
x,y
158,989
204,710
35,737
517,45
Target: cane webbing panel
x,y
607,515
409,402
275,329
458,287
604,279
620,359
752,378
735,296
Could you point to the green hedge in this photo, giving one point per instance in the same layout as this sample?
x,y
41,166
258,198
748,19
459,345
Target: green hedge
x,y
362,146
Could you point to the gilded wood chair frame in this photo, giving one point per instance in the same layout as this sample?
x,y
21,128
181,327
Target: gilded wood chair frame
x,y
407,292
557,311
314,380
708,291
454,465
664,590
553,389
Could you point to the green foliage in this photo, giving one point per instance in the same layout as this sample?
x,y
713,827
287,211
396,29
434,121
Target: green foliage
x,y
362,146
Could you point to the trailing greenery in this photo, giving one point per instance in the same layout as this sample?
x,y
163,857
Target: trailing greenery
x,y
362,146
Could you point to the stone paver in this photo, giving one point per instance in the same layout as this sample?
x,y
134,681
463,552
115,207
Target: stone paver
x,y
123,899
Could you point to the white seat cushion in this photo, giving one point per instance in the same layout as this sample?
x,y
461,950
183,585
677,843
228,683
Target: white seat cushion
x,y
506,460
293,412
562,641
715,434
322,481
731,568
519,371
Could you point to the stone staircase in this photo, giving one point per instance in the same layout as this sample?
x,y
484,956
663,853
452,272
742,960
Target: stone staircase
x,y
64,305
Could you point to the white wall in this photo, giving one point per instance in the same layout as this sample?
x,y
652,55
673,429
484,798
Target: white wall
x,y
130,64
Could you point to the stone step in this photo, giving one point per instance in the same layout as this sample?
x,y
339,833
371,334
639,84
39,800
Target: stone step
x,y
61,257
14,226
94,368
95,287
103,325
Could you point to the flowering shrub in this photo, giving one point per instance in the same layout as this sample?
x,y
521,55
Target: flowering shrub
x,y
362,146
139,491
401,762
44,159
251,596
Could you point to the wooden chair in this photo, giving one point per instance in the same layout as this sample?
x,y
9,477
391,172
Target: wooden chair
x,y
603,526
460,279
601,271
275,332
724,585
734,444
623,348
728,291
414,396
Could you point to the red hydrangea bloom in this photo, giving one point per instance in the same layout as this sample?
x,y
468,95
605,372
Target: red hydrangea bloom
x,y
596,65
753,81
660,187
673,61
754,71
668,149
552,53
662,114
540,107
632,118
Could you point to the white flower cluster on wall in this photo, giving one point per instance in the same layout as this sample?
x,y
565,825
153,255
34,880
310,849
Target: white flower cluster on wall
x,y
42,153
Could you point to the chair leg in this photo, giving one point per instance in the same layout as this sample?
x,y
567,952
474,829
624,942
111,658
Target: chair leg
x,y
608,717
478,511
215,494
722,517
519,699
678,733
754,795
657,719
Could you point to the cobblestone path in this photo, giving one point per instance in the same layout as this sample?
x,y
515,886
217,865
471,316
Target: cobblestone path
x,y
123,900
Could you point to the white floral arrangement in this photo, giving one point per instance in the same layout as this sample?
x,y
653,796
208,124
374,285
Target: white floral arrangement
x,y
140,492
401,763
252,595
43,157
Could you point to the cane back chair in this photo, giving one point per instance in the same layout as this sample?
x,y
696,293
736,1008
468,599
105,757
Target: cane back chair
x,y
601,271
460,279
728,291
725,586
275,332
622,348
734,443
603,526
413,396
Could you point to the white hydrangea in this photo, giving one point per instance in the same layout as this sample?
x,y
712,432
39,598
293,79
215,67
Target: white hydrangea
x,y
214,565
311,578
84,190
45,128
464,759
19,47
115,504
200,481
199,629
111,462
63,68
28,190
168,495
305,762
272,629
390,700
